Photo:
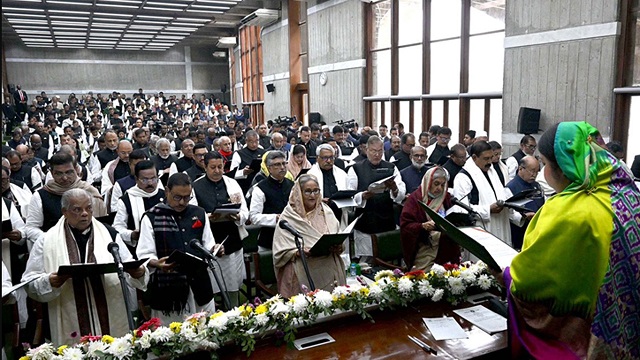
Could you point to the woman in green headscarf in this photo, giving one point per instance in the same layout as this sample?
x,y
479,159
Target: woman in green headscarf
x,y
573,290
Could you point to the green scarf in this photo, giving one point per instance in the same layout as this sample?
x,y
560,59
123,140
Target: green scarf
x,y
566,246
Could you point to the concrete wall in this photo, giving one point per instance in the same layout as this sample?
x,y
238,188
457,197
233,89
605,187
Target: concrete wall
x,y
180,70
275,55
337,48
560,57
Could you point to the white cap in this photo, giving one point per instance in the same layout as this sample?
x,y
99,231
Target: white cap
x,y
481,133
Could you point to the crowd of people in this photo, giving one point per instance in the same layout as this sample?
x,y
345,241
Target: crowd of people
x,y
149,173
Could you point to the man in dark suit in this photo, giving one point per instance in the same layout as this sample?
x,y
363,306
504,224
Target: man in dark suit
x,y
21,99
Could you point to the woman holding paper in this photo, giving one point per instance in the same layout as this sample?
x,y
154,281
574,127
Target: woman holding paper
x,y
422,246
298,161
307,214
574,287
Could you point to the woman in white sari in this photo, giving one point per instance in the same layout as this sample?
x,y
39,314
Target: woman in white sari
x,y
311,218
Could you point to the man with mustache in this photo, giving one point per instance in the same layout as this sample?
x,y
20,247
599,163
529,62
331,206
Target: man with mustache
x,y
135,201
127,182
110,152
479,186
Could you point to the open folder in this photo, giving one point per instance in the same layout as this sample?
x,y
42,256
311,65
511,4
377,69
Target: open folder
x,y
321,247
83,270
187,263
488,248
344,198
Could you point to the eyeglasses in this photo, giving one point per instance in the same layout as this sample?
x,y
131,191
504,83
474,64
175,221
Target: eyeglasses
x,y
531,147
148,180
179,198
327,158
443,139
280,164
199,155
67,173
312,192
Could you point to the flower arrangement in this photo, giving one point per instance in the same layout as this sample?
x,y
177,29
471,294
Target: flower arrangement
x,y
204,331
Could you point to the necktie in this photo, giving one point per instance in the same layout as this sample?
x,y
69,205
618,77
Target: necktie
x,y
21,95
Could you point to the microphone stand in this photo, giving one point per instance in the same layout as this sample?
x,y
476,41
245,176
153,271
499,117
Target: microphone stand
x,y
225,296
304,261
125,294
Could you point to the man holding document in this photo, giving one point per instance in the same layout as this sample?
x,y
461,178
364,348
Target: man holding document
x,y
379,185
212,192
309,216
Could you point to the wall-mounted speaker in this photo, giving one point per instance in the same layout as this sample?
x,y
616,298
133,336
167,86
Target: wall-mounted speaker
x,y
528,120
271,88
315,118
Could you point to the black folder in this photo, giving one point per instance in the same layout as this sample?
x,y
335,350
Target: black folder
x,y
83,270
321,247
343,194
6,226
302,172
465,240
187,263
256,164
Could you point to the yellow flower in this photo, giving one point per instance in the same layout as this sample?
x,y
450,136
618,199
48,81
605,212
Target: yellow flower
x,y
245,310
261,309
216,315
364,291
175,327
455,272
61,349
107,339
25,358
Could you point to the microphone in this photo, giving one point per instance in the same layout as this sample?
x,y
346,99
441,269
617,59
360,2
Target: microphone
x,y
114,249
195,245
284,224
469,209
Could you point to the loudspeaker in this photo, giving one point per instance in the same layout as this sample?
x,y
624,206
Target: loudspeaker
x,y
528,120
315,118
271,88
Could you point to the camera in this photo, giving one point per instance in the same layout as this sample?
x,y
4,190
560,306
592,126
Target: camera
x,y
347,124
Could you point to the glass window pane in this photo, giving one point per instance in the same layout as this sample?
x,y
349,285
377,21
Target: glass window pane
x,y
410,26
446,18
486,62
476,118
304,39
382,25
445,67
417,116
377,114
410,71
304,67
382,72
437,117
486,15
636,59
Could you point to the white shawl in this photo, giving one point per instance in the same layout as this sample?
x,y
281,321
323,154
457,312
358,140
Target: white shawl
x,y
137,196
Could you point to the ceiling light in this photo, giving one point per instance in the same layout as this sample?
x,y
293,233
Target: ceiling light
x,y
145,27
186,24
111,20
123,1
21,9
154,49
39,45
24,31
155,17
101,42
120,6
205,11
193,19
112,14
136,43
67,41
70,23
161,9
141,32
108,30
170,28
167,3
69,12
34,27
97,24
68,3
63,17
105,34
170,37
216,2
68,33
210,7
149,22
25,15
161,43
174,33
36,40
27,21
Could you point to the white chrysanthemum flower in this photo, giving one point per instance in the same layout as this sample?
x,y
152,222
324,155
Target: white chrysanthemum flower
x,y
437,295
94,348
355,288
261,319
383,273
299,303
425,288
457,285
375,291
219,323
72,353
279,308
340,291
484,282
162,334
323,298
188,333
120,348
274,298
42,352
384,282
468,276
208,345
145,340
438,269
405,285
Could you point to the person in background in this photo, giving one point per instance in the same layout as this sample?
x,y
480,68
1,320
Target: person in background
x,y
299,161
438,153
527,147
525,180
306,213
456,161
498,165
573,290
412,175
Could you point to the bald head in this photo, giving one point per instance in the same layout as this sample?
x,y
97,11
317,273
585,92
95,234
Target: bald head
x,y
124,150
528,168
22,149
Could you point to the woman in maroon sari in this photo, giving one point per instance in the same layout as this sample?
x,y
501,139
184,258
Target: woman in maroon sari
x,y
422,245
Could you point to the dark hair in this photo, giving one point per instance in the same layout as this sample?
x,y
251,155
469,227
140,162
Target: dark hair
x,y
424,134
314,126
546,144
178,179
615,146
458,147
212,155
199,146
406,137
60,159
304,128
299,149
471,133
251,133
444,131
434,129
495,145
6,169
139,132
479,147
383,126
138,154
338,129
399,125
13,153
272,155
525,139
142,165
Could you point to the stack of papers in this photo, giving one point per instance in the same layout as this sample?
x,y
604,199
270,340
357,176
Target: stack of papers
x,y
379,187
445,328
483,318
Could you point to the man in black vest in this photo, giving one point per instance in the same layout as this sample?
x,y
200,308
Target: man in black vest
x,y
269,198
163,159
186,161
212,191
439,151
527,147
174,292
242,159
456,161
375,205
125,183
135,201
110,152
402,158
306,141
24,173
197,170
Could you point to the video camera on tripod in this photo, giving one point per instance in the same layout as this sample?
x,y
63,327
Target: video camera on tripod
x,y
284,121
347,124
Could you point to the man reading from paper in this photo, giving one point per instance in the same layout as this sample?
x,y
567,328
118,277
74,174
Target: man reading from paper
x,y
80,305
306,213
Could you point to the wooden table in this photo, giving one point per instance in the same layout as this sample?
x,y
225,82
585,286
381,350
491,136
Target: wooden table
x,y
385,339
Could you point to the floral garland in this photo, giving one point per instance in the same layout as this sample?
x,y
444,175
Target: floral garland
x,y
204,331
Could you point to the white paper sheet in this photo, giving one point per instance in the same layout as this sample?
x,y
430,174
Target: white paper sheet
x,y
483,318
445,328
501,252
